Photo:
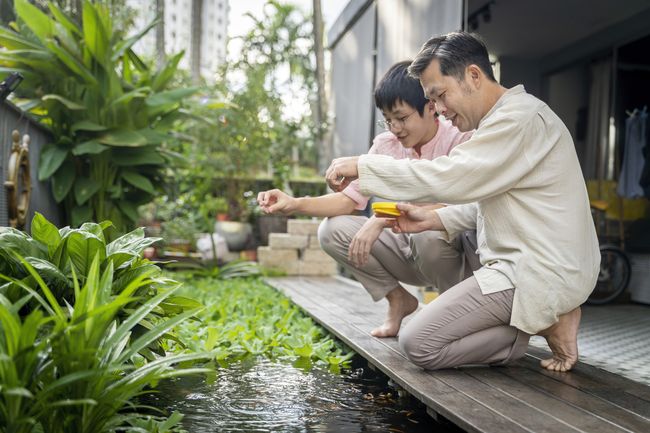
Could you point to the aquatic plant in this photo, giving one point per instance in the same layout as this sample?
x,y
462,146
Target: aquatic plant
x,y
244,317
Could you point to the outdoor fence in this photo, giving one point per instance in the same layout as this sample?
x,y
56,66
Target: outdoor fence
x,y
41,200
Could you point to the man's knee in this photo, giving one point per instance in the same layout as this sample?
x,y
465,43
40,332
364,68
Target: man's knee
x,y
423,355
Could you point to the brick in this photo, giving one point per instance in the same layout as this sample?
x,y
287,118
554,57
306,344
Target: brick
x,y
317,269
303,227
313,243
318,256
288,241
272,257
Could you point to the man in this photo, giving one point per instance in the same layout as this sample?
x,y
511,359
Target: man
x,y
536,238
378,258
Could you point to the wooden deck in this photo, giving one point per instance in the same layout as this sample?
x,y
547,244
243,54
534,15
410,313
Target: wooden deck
x,y
518,398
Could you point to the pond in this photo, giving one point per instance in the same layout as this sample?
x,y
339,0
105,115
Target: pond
x,y
262,395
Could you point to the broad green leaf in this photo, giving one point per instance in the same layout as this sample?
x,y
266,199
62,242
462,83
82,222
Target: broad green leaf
x,y
87,125
20,243
73,64
82,248
170,97
50,273
141,92
84,188
94,228
45,232
39,23
139,181
81,214
167,72
123,138
63,180
63,19
129,209
95,34
66,102
91,147
14,41
52,156
153,136
125,45
128,157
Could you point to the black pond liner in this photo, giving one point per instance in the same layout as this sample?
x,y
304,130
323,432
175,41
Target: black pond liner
x,y
261,395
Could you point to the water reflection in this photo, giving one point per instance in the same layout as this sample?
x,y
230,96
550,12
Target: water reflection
x,y
261,395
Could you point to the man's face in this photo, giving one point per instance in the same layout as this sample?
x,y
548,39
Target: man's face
x,y
456,100
411,129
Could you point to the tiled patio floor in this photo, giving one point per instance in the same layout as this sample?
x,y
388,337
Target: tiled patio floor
x,y
615,338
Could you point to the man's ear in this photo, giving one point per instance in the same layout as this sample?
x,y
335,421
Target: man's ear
x,y
474,75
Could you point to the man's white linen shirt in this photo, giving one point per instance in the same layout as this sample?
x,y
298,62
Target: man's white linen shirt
x,y
519,183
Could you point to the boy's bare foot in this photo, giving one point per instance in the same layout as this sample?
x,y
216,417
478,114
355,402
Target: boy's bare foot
x,y
400,304
562,338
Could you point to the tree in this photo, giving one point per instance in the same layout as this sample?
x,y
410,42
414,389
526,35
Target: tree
x,y
109,112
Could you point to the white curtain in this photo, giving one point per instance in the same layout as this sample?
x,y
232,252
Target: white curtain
x,y
599,158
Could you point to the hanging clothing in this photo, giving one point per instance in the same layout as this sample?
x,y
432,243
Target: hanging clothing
x,y
645,173
633,159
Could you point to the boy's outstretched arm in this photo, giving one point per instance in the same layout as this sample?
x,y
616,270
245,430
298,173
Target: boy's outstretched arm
x,y
277,202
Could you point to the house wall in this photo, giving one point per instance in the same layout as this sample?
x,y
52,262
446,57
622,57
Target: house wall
x,y
401,28
41,199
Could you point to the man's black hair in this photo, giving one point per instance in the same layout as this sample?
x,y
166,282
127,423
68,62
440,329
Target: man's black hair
x,y
454,51
398,86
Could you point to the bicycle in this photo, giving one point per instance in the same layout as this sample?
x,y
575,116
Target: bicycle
x,y
615,267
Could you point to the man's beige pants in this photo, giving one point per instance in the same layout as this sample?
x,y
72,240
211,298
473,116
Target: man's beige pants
x,y
462,326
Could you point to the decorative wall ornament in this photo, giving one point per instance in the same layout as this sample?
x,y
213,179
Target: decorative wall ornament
x,y
18,183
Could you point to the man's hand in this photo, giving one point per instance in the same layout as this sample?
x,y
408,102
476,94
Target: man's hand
x,y
416,219
341,172
364,239
275,201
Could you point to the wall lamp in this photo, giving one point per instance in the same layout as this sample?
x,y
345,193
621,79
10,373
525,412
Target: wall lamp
x,y
9,85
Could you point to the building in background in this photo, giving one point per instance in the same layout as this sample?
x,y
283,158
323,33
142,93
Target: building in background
x,y
589,63
199,27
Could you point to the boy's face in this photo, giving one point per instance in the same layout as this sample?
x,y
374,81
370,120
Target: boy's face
x,y
411,129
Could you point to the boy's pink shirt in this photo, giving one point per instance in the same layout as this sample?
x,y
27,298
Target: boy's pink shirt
x,y
386,143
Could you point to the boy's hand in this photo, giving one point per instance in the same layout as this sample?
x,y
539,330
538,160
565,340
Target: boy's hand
x,y
364,239
416,219
341,172
275,201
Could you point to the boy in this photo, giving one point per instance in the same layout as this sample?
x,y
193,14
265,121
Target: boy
x,y
378,258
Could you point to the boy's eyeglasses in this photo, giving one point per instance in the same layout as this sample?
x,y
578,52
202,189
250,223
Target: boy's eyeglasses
x,y
389,124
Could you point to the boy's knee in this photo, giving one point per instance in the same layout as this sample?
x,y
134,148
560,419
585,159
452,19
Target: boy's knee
x,y
330,232
426,248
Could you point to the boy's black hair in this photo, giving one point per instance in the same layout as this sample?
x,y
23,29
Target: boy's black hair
x,y
398,86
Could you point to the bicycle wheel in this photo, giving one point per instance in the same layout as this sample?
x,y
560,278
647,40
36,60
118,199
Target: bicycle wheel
x,y
614,275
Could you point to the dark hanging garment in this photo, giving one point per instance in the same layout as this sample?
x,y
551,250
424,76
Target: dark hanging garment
x,y
644,180
634,160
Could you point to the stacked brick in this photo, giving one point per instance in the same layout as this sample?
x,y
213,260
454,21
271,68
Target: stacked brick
x,y
297,252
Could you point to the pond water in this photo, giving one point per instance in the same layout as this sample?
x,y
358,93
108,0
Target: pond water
x,y
261,395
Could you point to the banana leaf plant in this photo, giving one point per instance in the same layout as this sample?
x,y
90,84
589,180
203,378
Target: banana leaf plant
x,y
110,113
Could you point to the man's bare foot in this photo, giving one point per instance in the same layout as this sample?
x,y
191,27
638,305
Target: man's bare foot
x,y
400,304
562,338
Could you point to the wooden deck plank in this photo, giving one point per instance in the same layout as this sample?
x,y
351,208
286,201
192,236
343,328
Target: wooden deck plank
x,y
519,398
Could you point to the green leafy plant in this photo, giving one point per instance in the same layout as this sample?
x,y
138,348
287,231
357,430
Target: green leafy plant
x,y
77,369
110,113
63,257
245,317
